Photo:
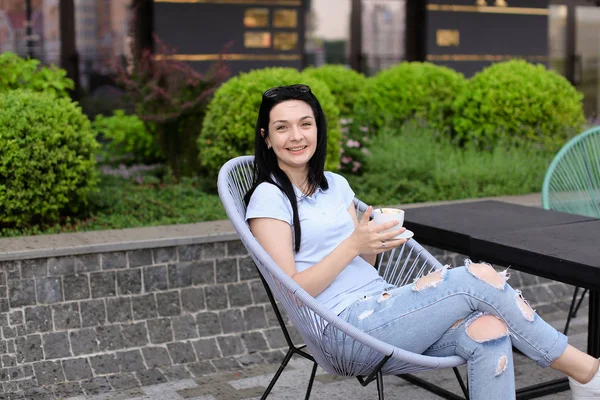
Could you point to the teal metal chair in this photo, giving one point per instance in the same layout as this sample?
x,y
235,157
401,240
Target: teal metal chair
x,y
572,185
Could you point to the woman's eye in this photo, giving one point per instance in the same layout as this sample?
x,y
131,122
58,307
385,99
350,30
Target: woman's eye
x,y
280,128
306,124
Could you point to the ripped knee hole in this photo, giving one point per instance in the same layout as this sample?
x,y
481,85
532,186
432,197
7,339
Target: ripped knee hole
x,y
488,274
486,328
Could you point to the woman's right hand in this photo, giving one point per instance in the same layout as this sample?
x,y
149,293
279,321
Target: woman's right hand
x,y
368,238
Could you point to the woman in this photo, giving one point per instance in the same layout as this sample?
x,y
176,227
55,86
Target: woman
x,y
304,218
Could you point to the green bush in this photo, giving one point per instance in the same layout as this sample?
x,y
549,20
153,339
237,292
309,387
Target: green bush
x,y
414,164
521,101
229,126
409,90
345,84
127,138
18,73
47,162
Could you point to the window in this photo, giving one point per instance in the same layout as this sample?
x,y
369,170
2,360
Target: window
x,y
257,39
285,18
285,41
256,18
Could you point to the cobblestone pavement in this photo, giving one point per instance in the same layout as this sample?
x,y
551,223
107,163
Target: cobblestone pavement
x,y
250,383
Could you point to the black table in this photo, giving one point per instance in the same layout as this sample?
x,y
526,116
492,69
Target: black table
x,y
451,227
568,253
554,245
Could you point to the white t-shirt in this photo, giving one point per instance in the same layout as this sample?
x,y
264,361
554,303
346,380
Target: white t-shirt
x,y
325,223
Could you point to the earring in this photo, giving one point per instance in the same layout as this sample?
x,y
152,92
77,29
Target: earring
x,y
268,146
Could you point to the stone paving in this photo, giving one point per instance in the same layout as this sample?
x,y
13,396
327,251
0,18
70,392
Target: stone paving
x,y
250,383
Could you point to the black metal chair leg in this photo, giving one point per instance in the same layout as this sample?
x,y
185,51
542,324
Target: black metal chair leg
x,y
285,361
310,382
380,384
463,387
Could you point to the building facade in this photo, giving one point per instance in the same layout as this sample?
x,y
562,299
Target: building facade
x,y
13,27
367,35
247,34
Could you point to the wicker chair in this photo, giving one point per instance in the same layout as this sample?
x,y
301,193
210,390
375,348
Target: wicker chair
x,y
572,185
362,356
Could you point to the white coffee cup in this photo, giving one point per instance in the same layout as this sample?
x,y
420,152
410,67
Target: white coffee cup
x,y
383,215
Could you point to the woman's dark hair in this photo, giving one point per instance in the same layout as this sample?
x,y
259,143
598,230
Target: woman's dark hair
x,y
266,166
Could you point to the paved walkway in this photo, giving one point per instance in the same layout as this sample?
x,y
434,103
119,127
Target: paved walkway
x,y
250,383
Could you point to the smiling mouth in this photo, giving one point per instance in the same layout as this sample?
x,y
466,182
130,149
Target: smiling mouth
x,y
297,148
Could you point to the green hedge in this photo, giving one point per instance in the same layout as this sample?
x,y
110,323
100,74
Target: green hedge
x,y
18,73
127,138
414,164
229,126
409,90
47,161
516,100
345,84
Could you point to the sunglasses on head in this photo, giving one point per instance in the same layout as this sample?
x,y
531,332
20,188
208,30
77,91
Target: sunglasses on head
x,y
274,92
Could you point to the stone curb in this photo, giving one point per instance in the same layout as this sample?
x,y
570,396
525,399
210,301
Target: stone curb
x,y
57,245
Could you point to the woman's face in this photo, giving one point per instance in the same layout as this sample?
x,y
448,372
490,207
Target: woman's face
x,y
292,134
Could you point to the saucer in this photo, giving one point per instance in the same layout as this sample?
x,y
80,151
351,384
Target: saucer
x,y
405,235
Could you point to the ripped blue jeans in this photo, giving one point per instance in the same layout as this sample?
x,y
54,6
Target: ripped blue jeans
x,y
433,318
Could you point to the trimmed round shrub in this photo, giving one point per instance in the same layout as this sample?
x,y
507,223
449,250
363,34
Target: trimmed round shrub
x,y
345,84
18,73
517,100
407,91
47,162
128,137
229,127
